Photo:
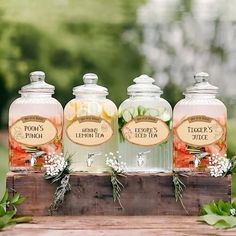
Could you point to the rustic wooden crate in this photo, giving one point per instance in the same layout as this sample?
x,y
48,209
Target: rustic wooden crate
x,y
144,194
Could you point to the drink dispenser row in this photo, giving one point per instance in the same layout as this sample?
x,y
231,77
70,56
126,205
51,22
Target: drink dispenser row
x,y
141,129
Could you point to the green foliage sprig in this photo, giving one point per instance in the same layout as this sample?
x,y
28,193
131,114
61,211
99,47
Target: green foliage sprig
x,y
117,170
8,210
58,171
221,215
117,186
179,187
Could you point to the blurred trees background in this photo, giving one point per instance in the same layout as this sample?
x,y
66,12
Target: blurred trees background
x,y
67,39
118,40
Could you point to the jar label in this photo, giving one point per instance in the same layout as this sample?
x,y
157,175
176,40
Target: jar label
x,y
89,131
146,131
33,131
200,131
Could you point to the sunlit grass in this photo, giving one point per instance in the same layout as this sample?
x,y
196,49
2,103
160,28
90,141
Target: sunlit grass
x,y
232,137
3,167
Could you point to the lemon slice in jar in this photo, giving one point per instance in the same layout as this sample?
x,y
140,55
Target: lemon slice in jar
x,y
109,109
70,111
94,109
82,110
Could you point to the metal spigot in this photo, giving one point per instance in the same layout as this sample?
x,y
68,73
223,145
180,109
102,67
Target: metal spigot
x,y
141,157
198,157
90,158
34,156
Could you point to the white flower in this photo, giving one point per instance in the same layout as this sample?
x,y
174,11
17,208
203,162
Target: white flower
x,y
219,165
113,162
232,211
54,164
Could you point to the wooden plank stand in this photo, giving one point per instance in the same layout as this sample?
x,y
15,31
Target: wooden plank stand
x,y
143,194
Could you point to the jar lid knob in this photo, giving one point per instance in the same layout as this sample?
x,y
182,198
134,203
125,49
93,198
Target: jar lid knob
x,y
201,77
90,78
36,76
144,79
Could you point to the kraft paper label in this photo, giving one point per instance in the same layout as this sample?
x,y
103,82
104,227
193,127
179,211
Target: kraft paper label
x,y
89,131
33,131
200,131
146,131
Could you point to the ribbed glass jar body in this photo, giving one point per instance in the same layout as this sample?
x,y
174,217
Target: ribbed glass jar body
x,y
35,126
199,125
145,123
90,130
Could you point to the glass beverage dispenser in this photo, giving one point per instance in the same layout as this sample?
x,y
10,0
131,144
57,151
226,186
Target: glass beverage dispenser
x,y
199,126
145,121
90,126
35,125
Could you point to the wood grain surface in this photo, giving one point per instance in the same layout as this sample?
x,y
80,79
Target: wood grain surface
x,y
116,226
144,194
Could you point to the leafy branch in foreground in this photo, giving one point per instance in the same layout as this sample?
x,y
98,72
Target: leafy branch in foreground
x,y
179,187
8,210
58,171
221,215
117,170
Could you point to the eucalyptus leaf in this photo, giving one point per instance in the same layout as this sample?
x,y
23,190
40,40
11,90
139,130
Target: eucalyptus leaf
x,y
219,221
220,214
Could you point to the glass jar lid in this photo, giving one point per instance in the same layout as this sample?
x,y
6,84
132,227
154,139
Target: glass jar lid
x,y
37,84
90,86
143,84
202,86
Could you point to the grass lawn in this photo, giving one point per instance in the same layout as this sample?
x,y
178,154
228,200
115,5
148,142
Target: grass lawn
x,y
3,167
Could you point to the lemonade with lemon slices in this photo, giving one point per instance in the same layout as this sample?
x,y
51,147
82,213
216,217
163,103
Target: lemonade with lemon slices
x,y
90,129
145,123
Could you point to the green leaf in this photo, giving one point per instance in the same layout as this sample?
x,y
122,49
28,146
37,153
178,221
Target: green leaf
x,y
6,219
20,200
2,210
23,219
5,197
218,221
141,110
15,198
221,208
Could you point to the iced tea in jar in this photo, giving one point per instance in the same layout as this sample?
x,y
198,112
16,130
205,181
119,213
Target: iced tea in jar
x,y
199,124
35,125
145,124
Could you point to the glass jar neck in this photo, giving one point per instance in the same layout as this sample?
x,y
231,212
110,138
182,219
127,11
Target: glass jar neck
x,y
90,96
144,95
199,95
35,95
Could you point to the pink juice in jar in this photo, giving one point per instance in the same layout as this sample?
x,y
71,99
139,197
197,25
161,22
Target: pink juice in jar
x,y
199,126
35,125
